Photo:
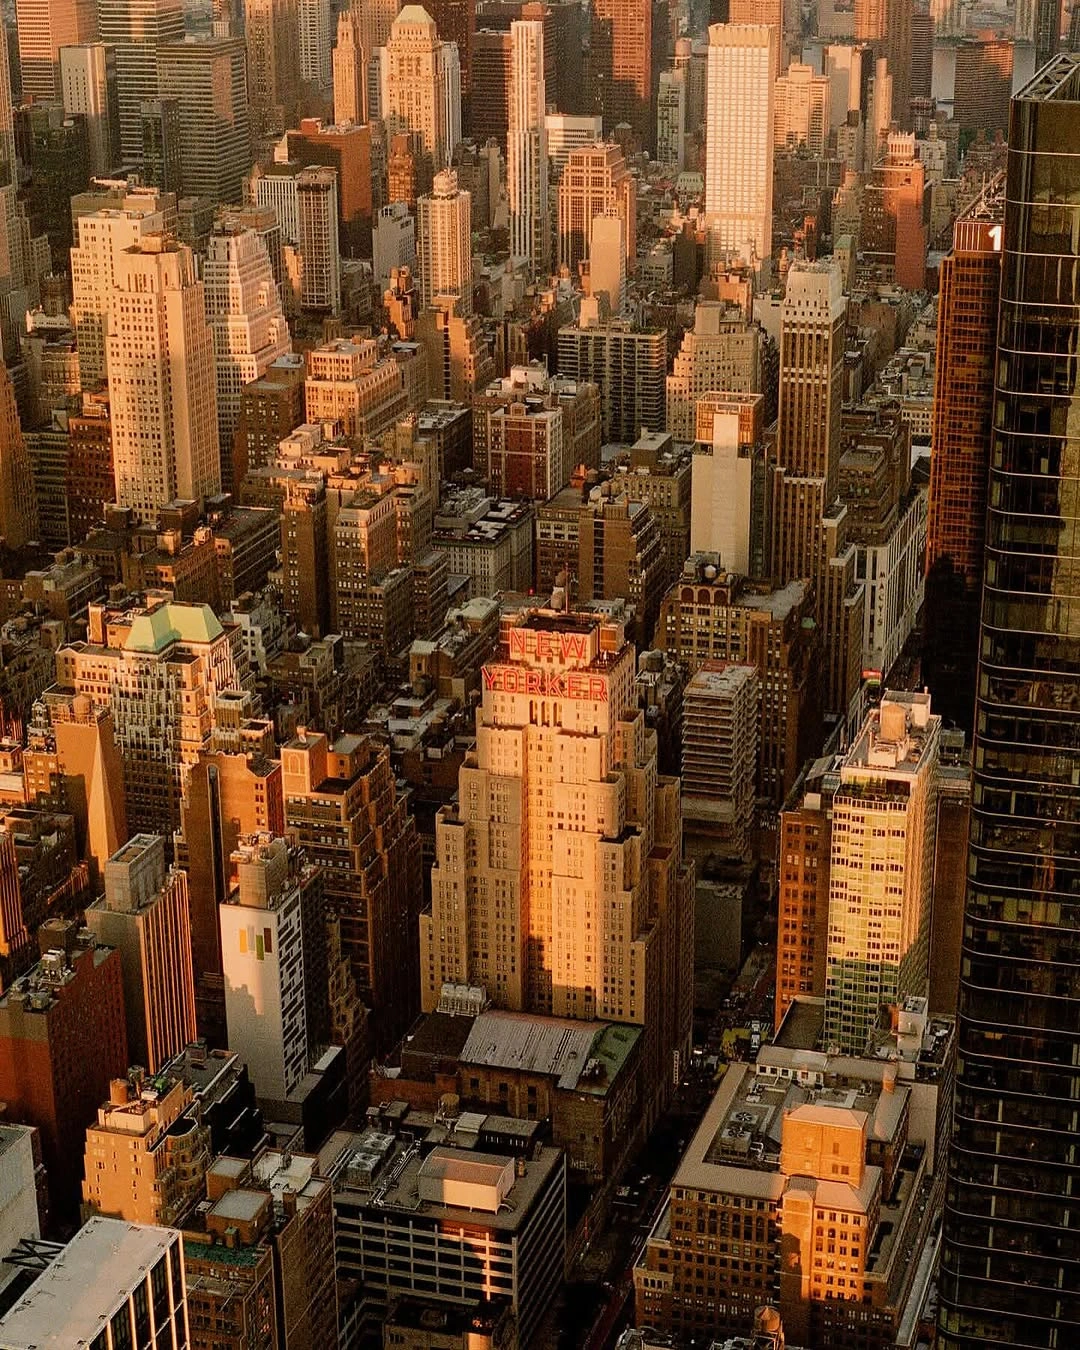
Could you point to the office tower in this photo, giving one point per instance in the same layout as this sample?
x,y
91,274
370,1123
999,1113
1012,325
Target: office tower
x,y
595,182
773,13
719,756
526,155
802,110
146,1156
136,29
575,924
317,224
315,21
271,30
893,234
273,907
423,85
489,110
809,523
88,87
350,71
207,76
103,237
91,481
444,243
341,802
628,364
671,120
18,501
886,25
274,186
101,1289
162,156
161,379
159,670
884,819
72,757
21,1170
246,322
566,133
1039,22
517,1204
145,916
62,1039
409,170
780,1154
722,352
739,120
456,24
725,466
349,381
270,408
960,463
393,243
621,556
44,28
621,53
1004,1279
983,84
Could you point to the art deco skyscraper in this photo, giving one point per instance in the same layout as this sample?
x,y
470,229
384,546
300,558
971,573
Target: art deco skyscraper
x,y
809,522
970,282
444,242
621,52
350,71
423,85
18,503
595,182
161,379
1012,1206
136,29
246,320
558,884
739,113
44,27
526,149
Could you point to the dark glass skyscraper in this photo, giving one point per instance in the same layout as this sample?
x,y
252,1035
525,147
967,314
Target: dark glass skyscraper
x,y
1011,1254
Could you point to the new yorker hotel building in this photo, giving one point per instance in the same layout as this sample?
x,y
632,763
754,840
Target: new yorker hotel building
x,y
559,886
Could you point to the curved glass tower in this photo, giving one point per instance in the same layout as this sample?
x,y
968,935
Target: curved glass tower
x,y
1011,1252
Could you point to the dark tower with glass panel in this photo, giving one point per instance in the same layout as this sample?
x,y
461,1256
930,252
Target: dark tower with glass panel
x,y
1011,1252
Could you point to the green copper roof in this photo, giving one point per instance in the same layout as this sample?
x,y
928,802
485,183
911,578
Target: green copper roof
x,y
154,631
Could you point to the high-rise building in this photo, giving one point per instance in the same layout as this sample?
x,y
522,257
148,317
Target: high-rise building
x,y
775,14
350,71
894,230
627,363
444,242
271,29
884,821
541,893
91,481
100,1290
727,467
809,523
1011,1197
489,111
145,916
317,237
88,88
671,120
423,85
621,53
456,24
246,322
207,76
159,669
270,408
349,150
147,1155
162,387
62,1039
802,110
352,382
567,132
1039,22
739,120
595,182
526,152
970,284
162,157
719,755
136,29
886,25
44,27
723,352
315,21
18,500
341,802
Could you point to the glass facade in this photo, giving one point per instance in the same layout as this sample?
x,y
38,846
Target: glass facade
x,y
1011,1252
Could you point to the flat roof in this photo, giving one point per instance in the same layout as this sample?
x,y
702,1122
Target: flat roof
x,y
73,1299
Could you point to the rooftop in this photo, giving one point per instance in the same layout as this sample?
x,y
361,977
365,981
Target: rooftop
x,y
583,1056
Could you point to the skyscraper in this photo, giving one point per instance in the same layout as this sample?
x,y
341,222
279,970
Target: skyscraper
x,y
559,885
1039,22
161,379
350,70
621,52
273,53
595,182
423,85
44,27
1012,1206
18,501
970,282
526,152
88,87
444,242
770,12
739,114
246,321
316,41
136,29
207,76
320,256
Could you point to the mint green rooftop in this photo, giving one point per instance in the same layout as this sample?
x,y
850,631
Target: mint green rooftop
x,y
155,630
